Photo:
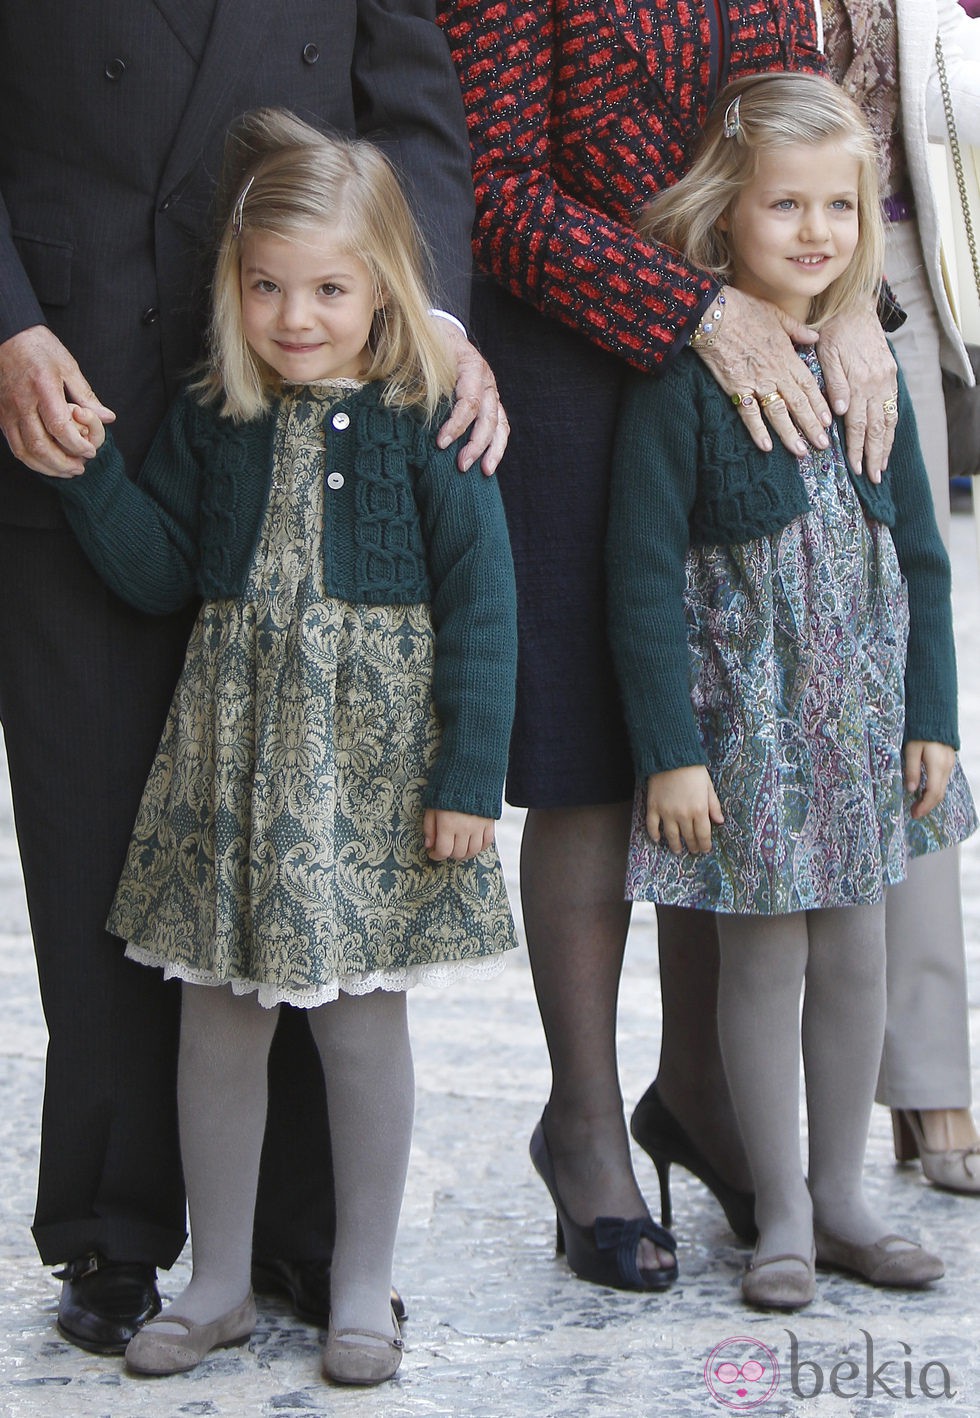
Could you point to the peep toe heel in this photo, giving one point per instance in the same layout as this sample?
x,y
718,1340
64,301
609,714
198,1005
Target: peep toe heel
x,y
604,1253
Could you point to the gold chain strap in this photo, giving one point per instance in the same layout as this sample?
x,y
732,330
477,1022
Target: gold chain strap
x,y
954,148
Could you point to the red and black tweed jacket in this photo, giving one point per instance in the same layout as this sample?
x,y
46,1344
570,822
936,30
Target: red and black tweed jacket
x,y
579,111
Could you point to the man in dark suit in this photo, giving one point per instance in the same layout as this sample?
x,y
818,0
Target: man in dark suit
x,y
112,121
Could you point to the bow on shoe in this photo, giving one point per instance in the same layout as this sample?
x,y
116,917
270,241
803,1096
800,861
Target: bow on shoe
x,y
614,1234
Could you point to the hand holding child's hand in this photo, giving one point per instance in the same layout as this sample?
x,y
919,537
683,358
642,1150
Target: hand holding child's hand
x,y
682,804
935,761
89,425
455,835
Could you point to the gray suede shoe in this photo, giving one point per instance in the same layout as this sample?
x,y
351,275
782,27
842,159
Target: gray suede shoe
x,y
153,1352
891,1260
783,1282
346,1361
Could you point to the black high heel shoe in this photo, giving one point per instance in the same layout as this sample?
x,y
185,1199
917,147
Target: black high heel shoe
x,y
660,1134
604,1253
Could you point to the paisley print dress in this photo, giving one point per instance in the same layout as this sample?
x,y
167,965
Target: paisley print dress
x,y
797,651
279,845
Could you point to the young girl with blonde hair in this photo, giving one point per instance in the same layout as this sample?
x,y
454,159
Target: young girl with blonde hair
x,y
784,641
317,829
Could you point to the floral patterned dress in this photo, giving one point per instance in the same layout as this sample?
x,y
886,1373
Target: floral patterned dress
x,y
278,845
797,651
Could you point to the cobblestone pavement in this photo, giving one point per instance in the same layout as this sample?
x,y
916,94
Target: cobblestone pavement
x,y
498,1326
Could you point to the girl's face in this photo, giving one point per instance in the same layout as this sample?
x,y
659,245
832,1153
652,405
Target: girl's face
x,y
794,228
307,305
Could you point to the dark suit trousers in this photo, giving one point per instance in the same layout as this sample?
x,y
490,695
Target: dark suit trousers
x,y
85,683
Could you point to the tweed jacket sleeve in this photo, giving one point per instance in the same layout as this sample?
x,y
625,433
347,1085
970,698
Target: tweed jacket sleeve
x,y
579,112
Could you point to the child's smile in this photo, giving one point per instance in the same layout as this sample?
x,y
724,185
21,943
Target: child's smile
x,y
308,304
794,228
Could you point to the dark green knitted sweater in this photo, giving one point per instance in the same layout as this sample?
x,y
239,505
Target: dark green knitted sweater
x,y
687,473
401,526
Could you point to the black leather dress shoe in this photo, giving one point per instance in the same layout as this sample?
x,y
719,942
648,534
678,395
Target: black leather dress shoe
x,y
104,1302
306,1285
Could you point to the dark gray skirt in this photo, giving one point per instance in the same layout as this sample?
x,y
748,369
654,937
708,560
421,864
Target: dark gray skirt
x,y
569,746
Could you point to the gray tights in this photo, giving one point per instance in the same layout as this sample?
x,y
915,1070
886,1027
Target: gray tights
x,y
840,954
367,1065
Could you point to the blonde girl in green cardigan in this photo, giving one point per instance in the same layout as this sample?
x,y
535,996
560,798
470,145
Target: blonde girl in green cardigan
x,y
784,642
317,829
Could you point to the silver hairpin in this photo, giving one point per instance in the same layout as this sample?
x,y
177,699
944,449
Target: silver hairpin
x,y
732,122
239,212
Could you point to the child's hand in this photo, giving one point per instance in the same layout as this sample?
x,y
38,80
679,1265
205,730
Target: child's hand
x,y
682,804
456,835
935,762
90,426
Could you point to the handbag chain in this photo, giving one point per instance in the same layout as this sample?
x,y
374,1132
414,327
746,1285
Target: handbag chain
x,y
957,156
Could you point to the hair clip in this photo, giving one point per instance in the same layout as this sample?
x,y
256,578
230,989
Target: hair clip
x,y
239,212
732,123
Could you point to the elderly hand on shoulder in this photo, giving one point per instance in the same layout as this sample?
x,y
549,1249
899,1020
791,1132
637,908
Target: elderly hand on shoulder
x,y
752,356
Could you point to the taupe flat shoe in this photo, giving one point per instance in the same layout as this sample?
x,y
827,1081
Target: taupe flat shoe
x,y
346,1361
766,1288
955,1169
153,1352
891,1260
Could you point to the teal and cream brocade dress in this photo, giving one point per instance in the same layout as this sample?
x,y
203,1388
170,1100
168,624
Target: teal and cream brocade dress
x,y
278,846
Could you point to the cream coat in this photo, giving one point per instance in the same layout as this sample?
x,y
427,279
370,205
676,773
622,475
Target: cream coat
x,y
923,121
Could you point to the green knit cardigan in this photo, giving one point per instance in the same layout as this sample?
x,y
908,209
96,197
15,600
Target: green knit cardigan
x,y
686,473
401,526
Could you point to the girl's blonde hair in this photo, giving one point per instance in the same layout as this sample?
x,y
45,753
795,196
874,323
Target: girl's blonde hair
x,y
285,178
760,114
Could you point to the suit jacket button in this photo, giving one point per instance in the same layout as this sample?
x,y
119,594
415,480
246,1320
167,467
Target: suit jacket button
x,y
115,69
311,53
150,315
335,480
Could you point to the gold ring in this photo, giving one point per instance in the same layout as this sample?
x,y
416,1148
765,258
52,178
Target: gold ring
x,y
773,397
744,401
890,406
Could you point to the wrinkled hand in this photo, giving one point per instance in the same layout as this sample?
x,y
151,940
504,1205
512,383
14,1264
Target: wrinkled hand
x,y
681,806
40,385
456,835
753,356
477,403
862,384
927,767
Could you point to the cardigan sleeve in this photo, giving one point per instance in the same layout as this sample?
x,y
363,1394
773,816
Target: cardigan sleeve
x,y
579,262
141,537
474,612
653,490
930,672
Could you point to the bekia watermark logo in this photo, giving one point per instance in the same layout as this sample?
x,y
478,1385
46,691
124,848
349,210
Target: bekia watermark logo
x,y
742,1373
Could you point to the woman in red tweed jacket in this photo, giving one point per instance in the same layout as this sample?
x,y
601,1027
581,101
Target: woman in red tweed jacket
x,y
579,112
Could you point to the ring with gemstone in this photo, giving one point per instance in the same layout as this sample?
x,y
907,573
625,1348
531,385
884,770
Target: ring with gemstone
x,y
744,401
890,406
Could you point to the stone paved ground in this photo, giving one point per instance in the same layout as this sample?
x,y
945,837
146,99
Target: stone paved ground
x,y
498,1327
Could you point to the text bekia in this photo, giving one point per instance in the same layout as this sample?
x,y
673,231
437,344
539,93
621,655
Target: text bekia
x,y
901,1377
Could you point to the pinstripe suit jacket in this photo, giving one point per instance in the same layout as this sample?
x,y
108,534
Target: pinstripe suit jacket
x,y
579,111
112,119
